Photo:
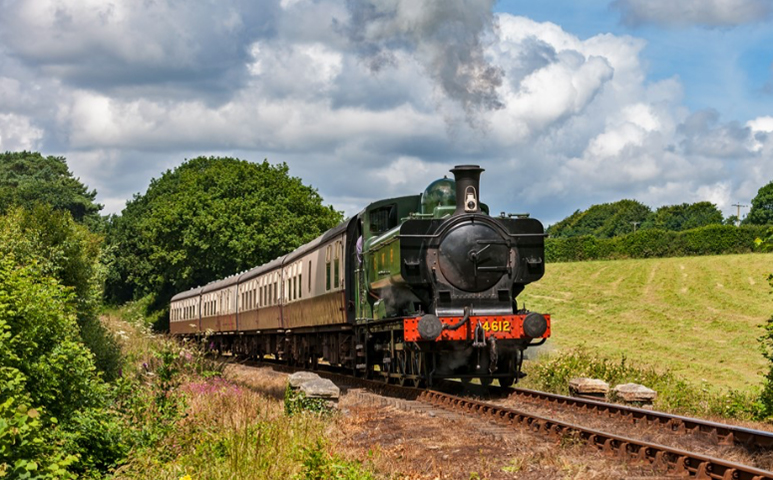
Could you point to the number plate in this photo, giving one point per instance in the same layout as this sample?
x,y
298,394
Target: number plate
x,y
497,326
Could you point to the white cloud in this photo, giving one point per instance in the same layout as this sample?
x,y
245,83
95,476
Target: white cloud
x,y
406,173
761,124
18,133
365,107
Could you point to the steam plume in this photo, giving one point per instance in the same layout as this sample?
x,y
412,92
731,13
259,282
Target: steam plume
x,y
445,36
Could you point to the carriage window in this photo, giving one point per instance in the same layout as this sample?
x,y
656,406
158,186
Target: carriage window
x,y
309,276
328,254
337,265
300,285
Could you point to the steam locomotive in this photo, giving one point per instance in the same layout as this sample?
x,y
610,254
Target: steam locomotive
x,y
410,290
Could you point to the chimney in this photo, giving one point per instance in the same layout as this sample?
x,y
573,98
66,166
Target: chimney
x,y
467,188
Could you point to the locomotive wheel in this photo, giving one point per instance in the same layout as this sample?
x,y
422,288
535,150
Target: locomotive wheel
x,y
507,381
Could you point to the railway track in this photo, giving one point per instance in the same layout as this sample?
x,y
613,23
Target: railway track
x,y
720,433
666,459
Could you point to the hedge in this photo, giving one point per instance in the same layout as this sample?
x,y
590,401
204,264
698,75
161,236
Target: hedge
x,y
654,243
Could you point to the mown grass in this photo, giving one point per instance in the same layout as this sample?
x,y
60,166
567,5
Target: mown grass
x,y
697,317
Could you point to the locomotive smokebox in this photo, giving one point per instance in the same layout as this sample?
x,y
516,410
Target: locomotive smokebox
x,y
467,188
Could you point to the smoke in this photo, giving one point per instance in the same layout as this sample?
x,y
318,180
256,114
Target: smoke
x,y
445,36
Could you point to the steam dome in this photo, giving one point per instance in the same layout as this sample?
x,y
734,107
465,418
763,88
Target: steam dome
x,y
440,193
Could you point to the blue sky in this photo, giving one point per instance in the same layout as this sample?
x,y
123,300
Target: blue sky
x,y
727,68
566,104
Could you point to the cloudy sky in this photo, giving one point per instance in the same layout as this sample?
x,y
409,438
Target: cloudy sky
x,y
565,103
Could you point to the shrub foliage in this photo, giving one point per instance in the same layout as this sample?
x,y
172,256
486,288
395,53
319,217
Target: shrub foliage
x,y
648,243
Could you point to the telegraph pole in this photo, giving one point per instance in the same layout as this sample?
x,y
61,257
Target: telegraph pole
x,y
738,215
634,226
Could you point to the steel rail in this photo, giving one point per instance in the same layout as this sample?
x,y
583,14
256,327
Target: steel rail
x,y
723,433
671,460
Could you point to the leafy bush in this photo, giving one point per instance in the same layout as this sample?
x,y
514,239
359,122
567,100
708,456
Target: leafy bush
x,y
765,244
43,364
64,250
649,243
296,401
318,464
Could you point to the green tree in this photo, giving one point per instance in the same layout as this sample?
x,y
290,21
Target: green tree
x,y
27,178
761,212
64,250
684,217
56,420
731,220
602,221
206,219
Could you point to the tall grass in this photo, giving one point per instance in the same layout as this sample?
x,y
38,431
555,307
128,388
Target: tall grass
x,y
232,432
191,423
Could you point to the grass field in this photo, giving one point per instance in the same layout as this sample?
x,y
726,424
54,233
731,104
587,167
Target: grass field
x,y
697,316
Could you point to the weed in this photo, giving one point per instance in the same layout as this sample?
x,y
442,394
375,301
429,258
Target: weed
x,y
553,372
515,465
296,401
